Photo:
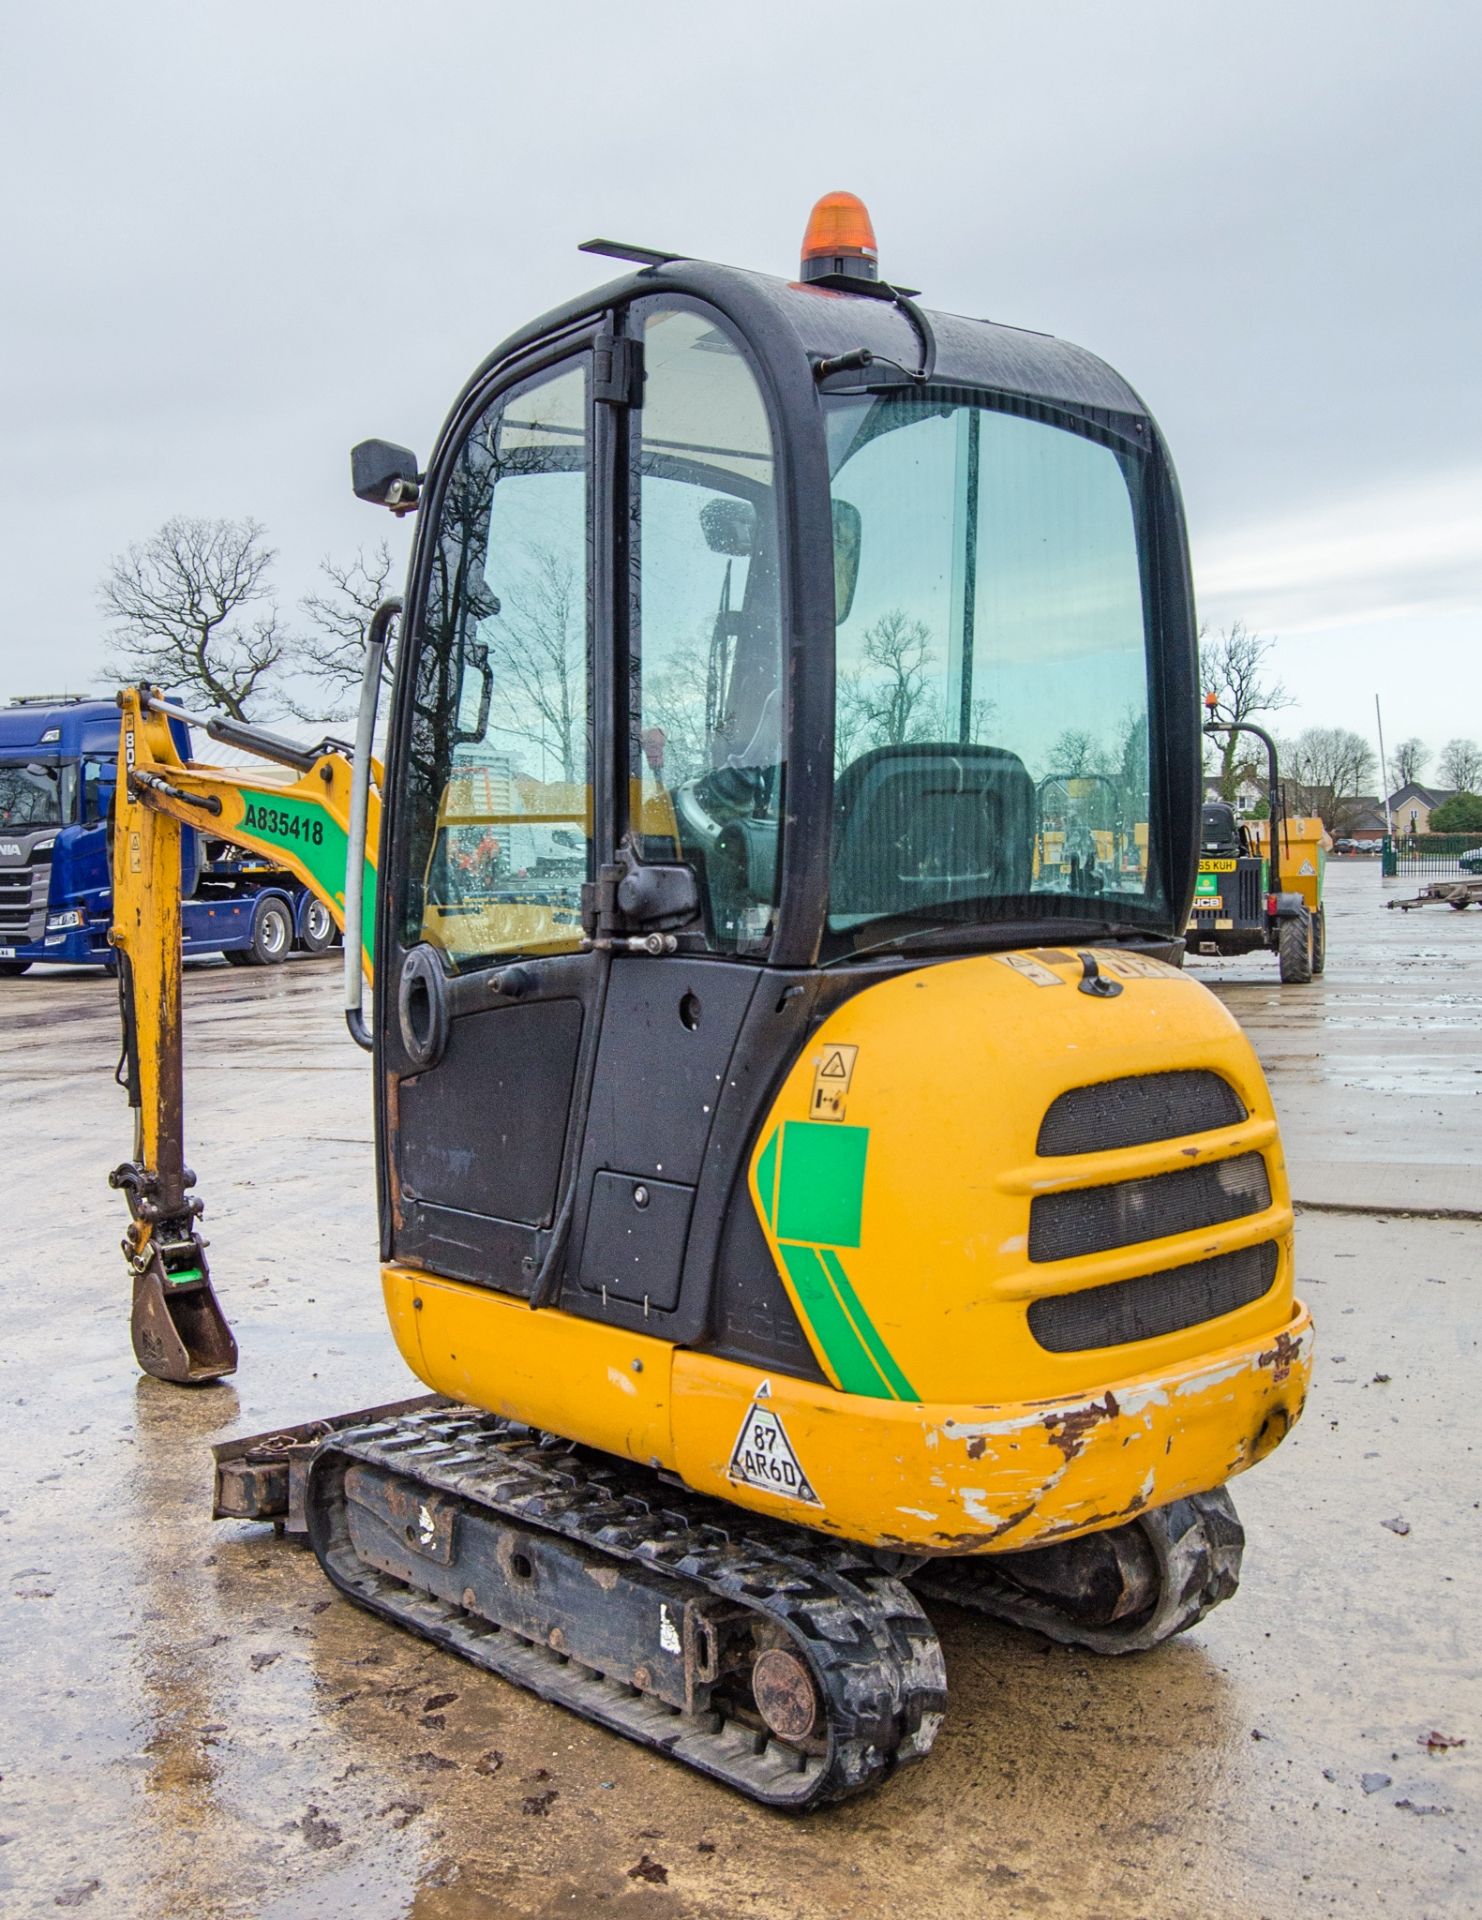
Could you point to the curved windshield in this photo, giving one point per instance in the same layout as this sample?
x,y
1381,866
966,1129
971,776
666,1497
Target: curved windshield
x,y
991,727
30,796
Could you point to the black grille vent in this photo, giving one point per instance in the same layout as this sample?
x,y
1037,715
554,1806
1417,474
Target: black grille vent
x,y
1248,908
1132,1112
1094,1219
1154,1303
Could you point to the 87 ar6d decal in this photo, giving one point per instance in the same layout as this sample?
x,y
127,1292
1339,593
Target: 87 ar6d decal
x,y
763,1455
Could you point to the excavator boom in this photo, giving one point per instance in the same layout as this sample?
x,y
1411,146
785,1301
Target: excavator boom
x,y
295,808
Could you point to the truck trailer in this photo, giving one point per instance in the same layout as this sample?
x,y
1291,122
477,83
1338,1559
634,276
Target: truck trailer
x,y
58,773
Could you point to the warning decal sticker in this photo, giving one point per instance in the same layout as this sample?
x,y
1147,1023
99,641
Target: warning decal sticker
x,y
831,1077
763,1457
1031,969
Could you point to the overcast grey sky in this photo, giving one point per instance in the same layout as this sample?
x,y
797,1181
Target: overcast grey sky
x,y
239,238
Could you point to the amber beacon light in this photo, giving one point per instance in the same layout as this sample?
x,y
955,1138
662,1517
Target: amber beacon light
x,y
839,243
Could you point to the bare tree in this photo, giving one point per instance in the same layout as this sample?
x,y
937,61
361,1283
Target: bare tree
x,y
191,610
851,718
1327,769
538,654
1460,765
895,692
1072,753
1130,768
332,653
1232,667
1409,760
674,705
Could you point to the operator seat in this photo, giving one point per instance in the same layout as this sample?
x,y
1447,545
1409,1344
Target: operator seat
x,y
1218,833
923,823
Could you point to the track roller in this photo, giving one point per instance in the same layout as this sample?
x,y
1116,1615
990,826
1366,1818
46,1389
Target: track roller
x,y
791,1668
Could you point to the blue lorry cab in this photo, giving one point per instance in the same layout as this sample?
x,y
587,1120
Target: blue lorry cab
x,y
58,772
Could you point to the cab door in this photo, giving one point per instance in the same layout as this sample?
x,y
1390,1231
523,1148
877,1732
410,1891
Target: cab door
x,y
487,1008
660,1217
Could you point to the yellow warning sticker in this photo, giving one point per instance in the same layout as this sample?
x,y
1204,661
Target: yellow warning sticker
x,y
1032,970
831,1078
1137,966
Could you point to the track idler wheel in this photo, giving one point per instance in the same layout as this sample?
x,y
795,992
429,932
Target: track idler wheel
x,y
1120,1591
785,1695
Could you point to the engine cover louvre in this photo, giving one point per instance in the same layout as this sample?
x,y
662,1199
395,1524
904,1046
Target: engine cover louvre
x,y
1127,1311
1135,1111
1097,1219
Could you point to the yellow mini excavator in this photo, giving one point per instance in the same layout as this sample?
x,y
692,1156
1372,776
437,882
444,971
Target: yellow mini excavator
x,y
808,1181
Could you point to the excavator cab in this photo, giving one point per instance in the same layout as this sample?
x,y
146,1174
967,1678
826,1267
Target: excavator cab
x,y
744,618
807,1177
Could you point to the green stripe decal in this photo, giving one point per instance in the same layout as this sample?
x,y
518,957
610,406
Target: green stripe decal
x,y
897,1382
810,1182
845,1351
766,1178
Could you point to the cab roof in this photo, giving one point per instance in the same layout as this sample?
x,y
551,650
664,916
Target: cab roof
x,y
823,322
78,727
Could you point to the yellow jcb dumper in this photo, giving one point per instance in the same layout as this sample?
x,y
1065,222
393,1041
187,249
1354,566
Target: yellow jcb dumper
x,y
1260,882
804,1194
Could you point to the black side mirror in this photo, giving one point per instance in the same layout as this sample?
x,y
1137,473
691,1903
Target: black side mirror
x,y
729,525
384,474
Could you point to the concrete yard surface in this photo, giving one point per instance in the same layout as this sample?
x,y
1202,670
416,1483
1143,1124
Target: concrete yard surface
x,y
194,1725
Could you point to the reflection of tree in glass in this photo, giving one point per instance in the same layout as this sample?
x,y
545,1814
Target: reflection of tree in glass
x,y
1072,754
896,684
1123,761
674,701
458,602
457,561
891,698
1131,769
538,650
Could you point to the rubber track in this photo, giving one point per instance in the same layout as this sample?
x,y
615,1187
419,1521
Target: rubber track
x,y
872,1651
1196,1543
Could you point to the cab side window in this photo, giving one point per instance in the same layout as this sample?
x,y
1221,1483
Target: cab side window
x,y
499,761
707,753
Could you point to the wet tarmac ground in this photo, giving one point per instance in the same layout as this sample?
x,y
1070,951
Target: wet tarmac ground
x,y
193,1726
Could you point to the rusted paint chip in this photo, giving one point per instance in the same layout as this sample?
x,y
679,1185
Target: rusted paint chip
x,y
1282,1357
1068,1431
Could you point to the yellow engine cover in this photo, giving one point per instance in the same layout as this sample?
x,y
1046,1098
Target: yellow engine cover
x,y
895,1174
894,1177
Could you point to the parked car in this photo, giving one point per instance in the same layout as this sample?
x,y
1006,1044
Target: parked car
x,y
1471,860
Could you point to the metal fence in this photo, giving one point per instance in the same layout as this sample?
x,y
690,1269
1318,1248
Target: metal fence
x,y
1444,855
